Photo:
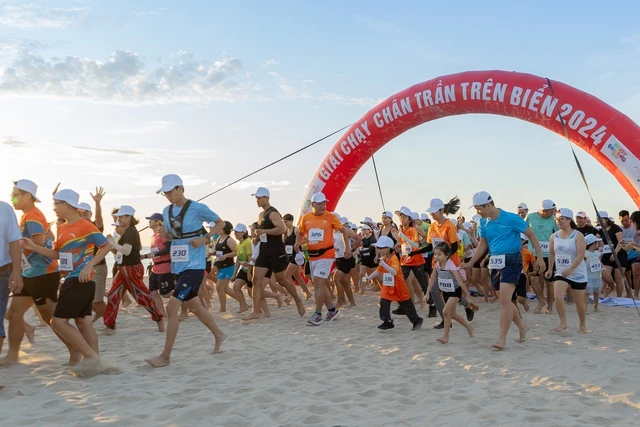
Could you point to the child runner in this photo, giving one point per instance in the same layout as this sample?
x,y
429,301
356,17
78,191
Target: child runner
x,y
161,281
594,270
394,287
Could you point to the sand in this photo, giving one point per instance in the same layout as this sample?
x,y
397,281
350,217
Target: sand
x,y
282,372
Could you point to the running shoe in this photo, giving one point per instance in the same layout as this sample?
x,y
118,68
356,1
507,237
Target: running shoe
x,y
332,315
418,325
470,314
398,311
388,324
432,311
315,320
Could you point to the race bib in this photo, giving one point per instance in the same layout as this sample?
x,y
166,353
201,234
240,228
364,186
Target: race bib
x,y
180,253
339,252
219,255
299,258
606,249
563,261
595,266
118,257
316,235
155,250
24,263
288,249
388,280
406,249
544,247
497,262
435,241
65,261
446,285
263,238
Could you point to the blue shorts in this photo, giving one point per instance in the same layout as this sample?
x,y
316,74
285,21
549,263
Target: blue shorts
x,y
510,273
226,273
188,285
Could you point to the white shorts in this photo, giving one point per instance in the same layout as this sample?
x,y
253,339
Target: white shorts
x,y
321,268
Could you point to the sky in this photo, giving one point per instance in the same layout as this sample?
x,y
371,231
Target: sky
x,y
119,93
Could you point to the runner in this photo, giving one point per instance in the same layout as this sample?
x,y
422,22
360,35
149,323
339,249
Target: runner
x,y
523,210
74,249
242,274
225,249
341,276
543,225
633,260
10,261
594,270
451,281
130,274
528,259
41,277
499,232
161,281
293,268
611,273
583,224
567,252
188,241
409,239
272,256
394,287
316,228
367,257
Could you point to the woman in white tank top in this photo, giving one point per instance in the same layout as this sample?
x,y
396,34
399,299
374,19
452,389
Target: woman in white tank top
x,y
567,254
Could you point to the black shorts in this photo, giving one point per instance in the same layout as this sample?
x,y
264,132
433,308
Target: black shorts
x,y
188,285
275,263
574,285
40,288
75,299
207,267
242,275
622,257
307,269
456,294
521,287
345,265
428,267
163,283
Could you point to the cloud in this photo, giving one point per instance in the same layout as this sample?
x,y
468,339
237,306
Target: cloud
x,y
149,127
11,141
252,185
34,17
150,13
125,77
353,187
269,63
109,150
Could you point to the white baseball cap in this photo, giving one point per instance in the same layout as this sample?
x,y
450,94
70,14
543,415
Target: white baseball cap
x,y
547,204
435,205
318,198
467,225
476,218
85,207
581,214
365,227
261,192
481,198
384,242
424,216
388,214
28,186
344,220
415,215
523,206
125,210
590,239
404,211
68,196
169,182
367,220
605,214
565,212
353,226
240,228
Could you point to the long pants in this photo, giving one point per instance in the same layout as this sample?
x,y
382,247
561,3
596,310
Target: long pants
x,y
5,272
407,306
129,278
435,297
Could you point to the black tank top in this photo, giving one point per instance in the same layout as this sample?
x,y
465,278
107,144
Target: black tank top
x,y
222,246
390,235
368,251
273,245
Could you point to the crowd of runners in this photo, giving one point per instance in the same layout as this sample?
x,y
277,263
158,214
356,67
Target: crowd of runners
x,y
428,262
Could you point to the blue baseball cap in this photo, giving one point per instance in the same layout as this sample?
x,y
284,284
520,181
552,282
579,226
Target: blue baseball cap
x,y
156,217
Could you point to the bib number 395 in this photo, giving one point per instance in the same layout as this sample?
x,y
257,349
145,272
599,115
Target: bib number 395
x,y
180,253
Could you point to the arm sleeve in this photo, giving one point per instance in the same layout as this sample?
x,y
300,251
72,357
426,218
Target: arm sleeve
x,y
389,269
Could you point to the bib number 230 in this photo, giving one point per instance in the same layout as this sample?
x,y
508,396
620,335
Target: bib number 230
x,y
180,253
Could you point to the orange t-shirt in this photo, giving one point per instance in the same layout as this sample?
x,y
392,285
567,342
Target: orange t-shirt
x,y
399,290
527,259
319,232
413,235
444,233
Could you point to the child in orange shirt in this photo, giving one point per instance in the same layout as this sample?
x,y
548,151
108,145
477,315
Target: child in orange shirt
x,y
394,287
527,261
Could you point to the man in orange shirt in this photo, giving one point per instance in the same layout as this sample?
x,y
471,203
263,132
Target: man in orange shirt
x,y
316,229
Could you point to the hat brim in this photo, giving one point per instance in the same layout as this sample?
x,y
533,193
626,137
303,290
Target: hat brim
x,y
432,210
165,189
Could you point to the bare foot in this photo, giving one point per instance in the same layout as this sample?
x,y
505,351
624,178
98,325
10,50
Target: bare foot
x,y
75,357
583,330
538,309
526,307
251,316
596,309
89,368
126,303
219,341
7,361
158,362
308,296
243,309
287,301
470,330
109,331
352,305
523,334
279,299
443,340
339,305
560,327
474,307
498,345
184,315
160,325
549,310
300,308
30,332
423,304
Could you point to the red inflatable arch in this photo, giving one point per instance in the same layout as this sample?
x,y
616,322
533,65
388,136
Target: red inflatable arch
x,y
602,131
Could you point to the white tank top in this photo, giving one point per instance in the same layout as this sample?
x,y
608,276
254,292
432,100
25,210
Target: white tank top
x,y
338,244
565,255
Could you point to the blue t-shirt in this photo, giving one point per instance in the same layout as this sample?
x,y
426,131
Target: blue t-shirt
x,y
192,221
503,233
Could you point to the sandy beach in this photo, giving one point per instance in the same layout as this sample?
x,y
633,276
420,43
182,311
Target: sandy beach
x,y
283,372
